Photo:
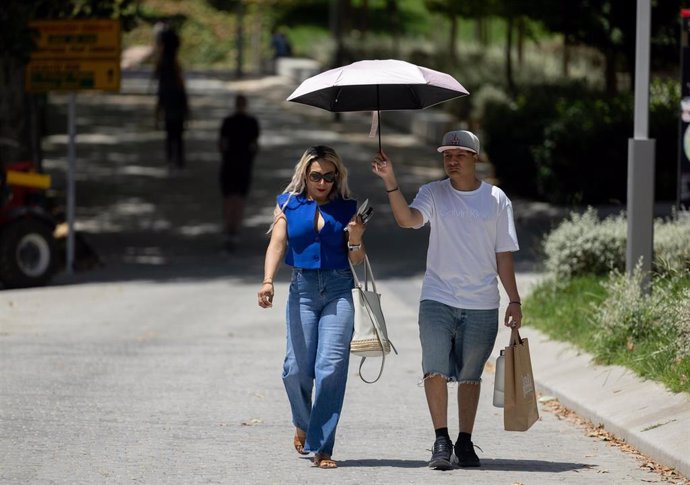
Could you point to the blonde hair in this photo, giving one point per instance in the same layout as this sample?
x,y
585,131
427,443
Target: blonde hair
x,y
298,184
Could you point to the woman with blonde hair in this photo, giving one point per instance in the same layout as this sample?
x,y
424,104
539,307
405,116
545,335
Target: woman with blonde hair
x,y
316,229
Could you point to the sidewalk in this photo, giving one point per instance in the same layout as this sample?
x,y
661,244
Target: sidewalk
x,y
146,229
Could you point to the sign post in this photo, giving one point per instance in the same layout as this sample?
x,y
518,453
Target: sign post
x,y
71,56
640,245
683,196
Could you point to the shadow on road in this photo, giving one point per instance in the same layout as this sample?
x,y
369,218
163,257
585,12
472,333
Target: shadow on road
x,y
148,223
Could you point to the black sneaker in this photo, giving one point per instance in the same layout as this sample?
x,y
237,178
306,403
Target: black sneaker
x,y
465,455
441,454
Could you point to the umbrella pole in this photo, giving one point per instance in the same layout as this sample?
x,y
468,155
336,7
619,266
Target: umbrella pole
x,y
378,115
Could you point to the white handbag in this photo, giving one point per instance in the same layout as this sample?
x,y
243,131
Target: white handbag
x,y
370,337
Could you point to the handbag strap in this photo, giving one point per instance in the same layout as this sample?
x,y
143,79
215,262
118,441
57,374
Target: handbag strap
x,y
368,275
361,363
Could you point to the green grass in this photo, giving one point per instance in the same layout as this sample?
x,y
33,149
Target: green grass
x,y
564,312
568,311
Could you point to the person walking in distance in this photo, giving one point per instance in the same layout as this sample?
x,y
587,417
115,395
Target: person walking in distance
x,y
471,242
316,228
172,104
238,146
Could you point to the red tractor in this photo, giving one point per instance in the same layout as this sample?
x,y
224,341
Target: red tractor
x,y
28,253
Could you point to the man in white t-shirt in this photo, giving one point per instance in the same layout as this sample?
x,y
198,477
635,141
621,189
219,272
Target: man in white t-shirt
x,y
471,243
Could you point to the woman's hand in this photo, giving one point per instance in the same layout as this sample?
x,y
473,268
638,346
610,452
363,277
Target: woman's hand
x,y
266,295
355,229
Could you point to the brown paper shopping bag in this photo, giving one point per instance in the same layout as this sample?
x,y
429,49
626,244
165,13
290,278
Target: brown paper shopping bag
x,y
520,410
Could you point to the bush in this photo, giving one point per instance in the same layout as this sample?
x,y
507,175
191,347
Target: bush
x,y
569,144
511,130
584,244
672,245
654,326
583,154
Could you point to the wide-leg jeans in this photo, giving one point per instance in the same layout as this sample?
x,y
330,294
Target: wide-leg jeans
x,y
320,322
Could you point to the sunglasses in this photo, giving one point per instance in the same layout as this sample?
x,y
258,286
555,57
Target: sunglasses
x,y
329,177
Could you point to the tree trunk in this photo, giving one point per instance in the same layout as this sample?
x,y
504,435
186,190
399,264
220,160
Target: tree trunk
x,y
394,15
521,27
509,58
611,57
565,68
15,123
364,24
483,32
452,46
239,70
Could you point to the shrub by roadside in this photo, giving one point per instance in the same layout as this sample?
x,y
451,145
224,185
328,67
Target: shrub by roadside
x,y
585,244
590,302
646,332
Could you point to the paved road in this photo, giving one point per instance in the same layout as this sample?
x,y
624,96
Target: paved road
x,y
160,368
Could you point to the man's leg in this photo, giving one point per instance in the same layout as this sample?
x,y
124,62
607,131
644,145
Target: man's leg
x,y
237,213
468,401
227,214
436,327
436,390
479,329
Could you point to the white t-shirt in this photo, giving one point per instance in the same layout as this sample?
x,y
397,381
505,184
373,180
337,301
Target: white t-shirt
x,y
467,230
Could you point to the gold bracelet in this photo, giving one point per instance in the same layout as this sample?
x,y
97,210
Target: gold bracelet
x,y
267,282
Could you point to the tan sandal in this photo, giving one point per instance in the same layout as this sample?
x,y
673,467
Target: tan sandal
x,y
324,462
298,442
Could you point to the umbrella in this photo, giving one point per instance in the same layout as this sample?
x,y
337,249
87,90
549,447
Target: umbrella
x,y
377,85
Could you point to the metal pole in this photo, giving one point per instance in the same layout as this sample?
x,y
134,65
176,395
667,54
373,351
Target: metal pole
x,y
683,169
641,157
71,160
642,41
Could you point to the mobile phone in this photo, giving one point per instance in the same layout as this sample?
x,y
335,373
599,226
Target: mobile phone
x,y
362,208
366,216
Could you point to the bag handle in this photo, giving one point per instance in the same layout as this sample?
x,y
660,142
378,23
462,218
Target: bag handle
x,y
515,338
368,275
361,363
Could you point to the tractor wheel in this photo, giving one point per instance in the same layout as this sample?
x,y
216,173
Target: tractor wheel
x,y
27,253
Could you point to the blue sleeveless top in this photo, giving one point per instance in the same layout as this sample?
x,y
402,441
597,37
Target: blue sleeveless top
x,y
307,248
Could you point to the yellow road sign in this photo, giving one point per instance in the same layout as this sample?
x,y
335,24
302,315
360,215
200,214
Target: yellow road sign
x,y
77,39
48,75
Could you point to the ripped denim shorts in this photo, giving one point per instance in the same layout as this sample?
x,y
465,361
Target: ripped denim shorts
x,y
456,343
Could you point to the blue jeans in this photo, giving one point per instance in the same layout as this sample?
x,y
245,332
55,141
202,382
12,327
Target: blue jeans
x,y
320,321
456,343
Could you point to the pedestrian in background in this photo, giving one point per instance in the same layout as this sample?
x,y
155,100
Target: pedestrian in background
x,y
238,145
471,242
280,44
308,229
172,104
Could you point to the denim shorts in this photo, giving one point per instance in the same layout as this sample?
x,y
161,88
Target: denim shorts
x,y
456,343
